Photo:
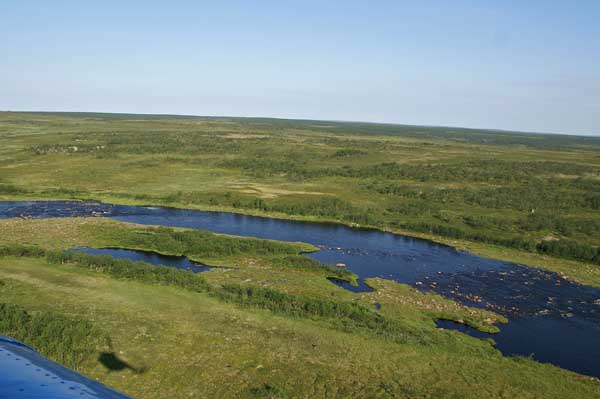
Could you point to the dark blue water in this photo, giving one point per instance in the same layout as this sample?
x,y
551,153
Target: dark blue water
x,y
153,258
554,320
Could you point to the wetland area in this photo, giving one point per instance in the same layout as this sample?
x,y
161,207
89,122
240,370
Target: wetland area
x,y
239,257
550,318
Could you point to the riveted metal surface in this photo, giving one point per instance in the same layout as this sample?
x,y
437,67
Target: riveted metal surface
x,y
24,373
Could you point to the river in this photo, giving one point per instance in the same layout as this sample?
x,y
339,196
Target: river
x,y
550,318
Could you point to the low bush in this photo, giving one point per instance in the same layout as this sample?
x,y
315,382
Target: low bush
x,y
570,249
130,270
310,265
67,340
346,315
118,268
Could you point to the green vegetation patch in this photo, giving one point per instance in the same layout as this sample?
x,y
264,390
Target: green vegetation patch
x,y
70,341
196,344
273,325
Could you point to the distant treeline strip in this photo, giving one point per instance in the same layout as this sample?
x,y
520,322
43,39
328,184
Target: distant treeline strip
x,y
563,248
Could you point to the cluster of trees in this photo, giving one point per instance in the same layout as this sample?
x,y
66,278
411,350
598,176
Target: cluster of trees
x,y
550,221
118,268
161,142
310,265
10,189
208,245
346,315
563,248
487,222
484,170
481,236
266,167
130,270
22,250
586,184
487,170
67,340
526,173
200,243
144,272
570,249
412,208
294,165
535,194
165,141
327,206
349,152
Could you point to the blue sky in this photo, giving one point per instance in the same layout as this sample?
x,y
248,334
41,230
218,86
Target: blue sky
x,y
520,65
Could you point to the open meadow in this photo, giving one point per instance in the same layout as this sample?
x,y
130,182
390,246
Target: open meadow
x,y
267,322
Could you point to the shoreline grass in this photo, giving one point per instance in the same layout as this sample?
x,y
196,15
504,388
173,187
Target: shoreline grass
x,y
579,272
222,349
275,326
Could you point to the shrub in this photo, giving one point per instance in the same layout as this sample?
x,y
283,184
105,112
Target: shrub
x,y
344,314
130,270
67,340
570,249
311,265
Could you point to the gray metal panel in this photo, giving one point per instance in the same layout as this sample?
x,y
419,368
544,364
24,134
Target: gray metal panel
x,y
24,373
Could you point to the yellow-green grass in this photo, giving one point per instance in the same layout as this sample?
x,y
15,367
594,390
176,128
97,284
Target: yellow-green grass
x,y
580,272
262,270
195,345
183,163
192,345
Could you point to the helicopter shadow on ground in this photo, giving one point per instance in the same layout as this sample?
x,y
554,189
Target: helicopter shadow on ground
x,y
113,363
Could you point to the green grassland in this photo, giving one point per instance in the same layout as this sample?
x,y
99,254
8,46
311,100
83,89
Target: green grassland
x,y
505,195
182,340
268,323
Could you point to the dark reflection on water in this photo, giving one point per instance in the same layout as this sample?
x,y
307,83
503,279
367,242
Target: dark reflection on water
x,y
179,262
555,320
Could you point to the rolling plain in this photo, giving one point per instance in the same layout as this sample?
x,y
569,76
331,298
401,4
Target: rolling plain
x,y
268,322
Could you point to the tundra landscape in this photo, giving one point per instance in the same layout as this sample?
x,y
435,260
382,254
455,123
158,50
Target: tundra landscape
x,y
180,256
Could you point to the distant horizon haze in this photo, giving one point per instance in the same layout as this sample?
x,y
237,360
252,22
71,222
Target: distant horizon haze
x,y
496,65
490,129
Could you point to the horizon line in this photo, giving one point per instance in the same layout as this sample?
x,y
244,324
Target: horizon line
x,y
280,118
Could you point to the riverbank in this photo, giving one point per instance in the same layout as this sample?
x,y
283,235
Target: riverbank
x,y
211,348
536,301
582,273
501,195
